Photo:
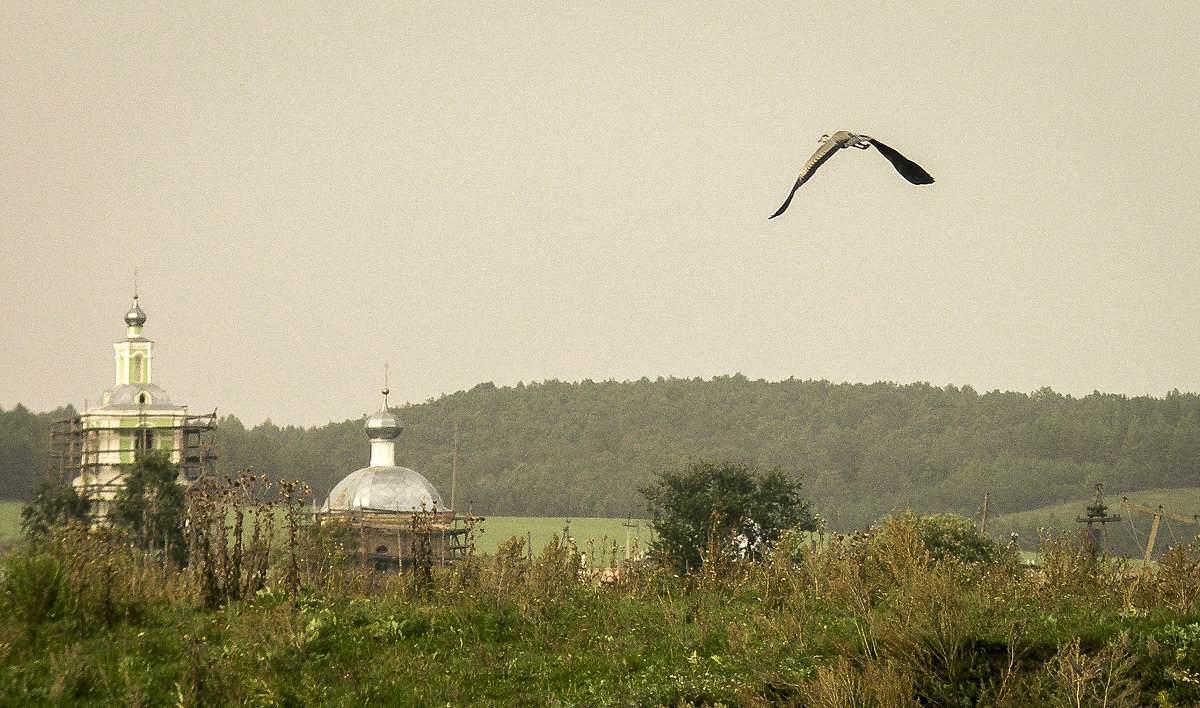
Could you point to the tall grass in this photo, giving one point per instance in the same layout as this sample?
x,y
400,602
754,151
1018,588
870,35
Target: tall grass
x,y
889,617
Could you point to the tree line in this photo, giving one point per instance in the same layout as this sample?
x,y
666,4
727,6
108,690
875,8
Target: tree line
x,y
863,450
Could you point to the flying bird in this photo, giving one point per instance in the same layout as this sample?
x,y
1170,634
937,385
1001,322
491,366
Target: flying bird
x,y
908,169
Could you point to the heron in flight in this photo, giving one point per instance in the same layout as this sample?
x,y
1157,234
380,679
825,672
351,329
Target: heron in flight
x,y
908,169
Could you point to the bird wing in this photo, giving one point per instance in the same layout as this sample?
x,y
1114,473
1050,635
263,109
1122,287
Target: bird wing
x,y
818,158
908,169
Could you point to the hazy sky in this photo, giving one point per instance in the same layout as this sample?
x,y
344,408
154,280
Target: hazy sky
x,y
515,192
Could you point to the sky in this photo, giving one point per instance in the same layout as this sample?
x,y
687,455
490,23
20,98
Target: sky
x,y
512,192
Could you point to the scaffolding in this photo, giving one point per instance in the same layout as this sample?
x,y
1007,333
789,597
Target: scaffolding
x,y
384,539
75,447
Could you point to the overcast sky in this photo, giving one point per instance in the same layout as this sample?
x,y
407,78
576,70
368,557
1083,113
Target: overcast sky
x,y
516,192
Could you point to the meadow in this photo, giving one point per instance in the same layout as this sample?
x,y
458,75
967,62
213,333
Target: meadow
x,y
596,536
10,520
917,612
595,533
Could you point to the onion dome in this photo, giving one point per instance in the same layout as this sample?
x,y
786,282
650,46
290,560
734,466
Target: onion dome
x,y
135,317
384,425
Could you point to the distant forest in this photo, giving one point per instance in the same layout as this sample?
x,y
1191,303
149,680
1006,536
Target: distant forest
x,y
584,449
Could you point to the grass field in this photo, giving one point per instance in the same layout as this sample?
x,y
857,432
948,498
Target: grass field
x,y
1180,502
492,532
593,536
10,519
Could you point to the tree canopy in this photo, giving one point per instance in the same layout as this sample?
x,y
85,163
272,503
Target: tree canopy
x,y
727,503
56,504
150,507
584,449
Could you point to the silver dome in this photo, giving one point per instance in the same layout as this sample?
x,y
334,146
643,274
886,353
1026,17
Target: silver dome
x,y
383,489
384,425
135,317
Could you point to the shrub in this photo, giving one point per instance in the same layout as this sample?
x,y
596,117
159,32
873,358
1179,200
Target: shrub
x,y
37,586
955,539
54,506
733,503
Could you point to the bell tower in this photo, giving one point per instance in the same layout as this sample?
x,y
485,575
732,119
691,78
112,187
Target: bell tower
x,y
133,355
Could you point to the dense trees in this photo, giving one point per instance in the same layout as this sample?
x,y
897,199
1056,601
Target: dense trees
x,y
730,504
24,445
864,450
149,508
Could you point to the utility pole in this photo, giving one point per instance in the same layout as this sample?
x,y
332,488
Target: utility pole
x,y
1158,515
1097,513
628,540
454,467
983,519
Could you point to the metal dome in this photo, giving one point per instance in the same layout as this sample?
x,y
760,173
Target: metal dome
x,y
383,489
384,425
135,317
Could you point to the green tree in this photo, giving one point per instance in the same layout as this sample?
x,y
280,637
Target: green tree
x,y
955,539
729,500
55,505
150,507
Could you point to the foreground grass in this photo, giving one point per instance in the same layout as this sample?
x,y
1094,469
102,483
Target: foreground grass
x,y
874,620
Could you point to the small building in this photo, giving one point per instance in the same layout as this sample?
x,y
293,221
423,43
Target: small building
x,y
95,448
391,510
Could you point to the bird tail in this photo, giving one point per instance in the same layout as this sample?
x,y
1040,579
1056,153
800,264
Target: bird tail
x,y
908,169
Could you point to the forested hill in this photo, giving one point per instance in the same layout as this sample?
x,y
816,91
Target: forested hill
x,y
583,449
24,448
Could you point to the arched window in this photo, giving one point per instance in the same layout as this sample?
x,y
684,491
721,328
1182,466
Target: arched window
x,y
143,398
137,367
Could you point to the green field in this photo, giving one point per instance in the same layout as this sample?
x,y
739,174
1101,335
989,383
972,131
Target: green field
x,y
10,519
594,536
591,535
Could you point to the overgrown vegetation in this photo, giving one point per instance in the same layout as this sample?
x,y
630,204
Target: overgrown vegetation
x,y
915,611
55,504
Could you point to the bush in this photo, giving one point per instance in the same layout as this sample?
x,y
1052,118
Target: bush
x,y
955,539
732,504
37,587
55,505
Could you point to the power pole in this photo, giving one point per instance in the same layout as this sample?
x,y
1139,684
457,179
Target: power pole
x,y
983,519
454,467
1097,513
1158,515
628,540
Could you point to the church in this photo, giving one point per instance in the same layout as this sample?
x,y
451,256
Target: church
x,y
96,448
392,511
